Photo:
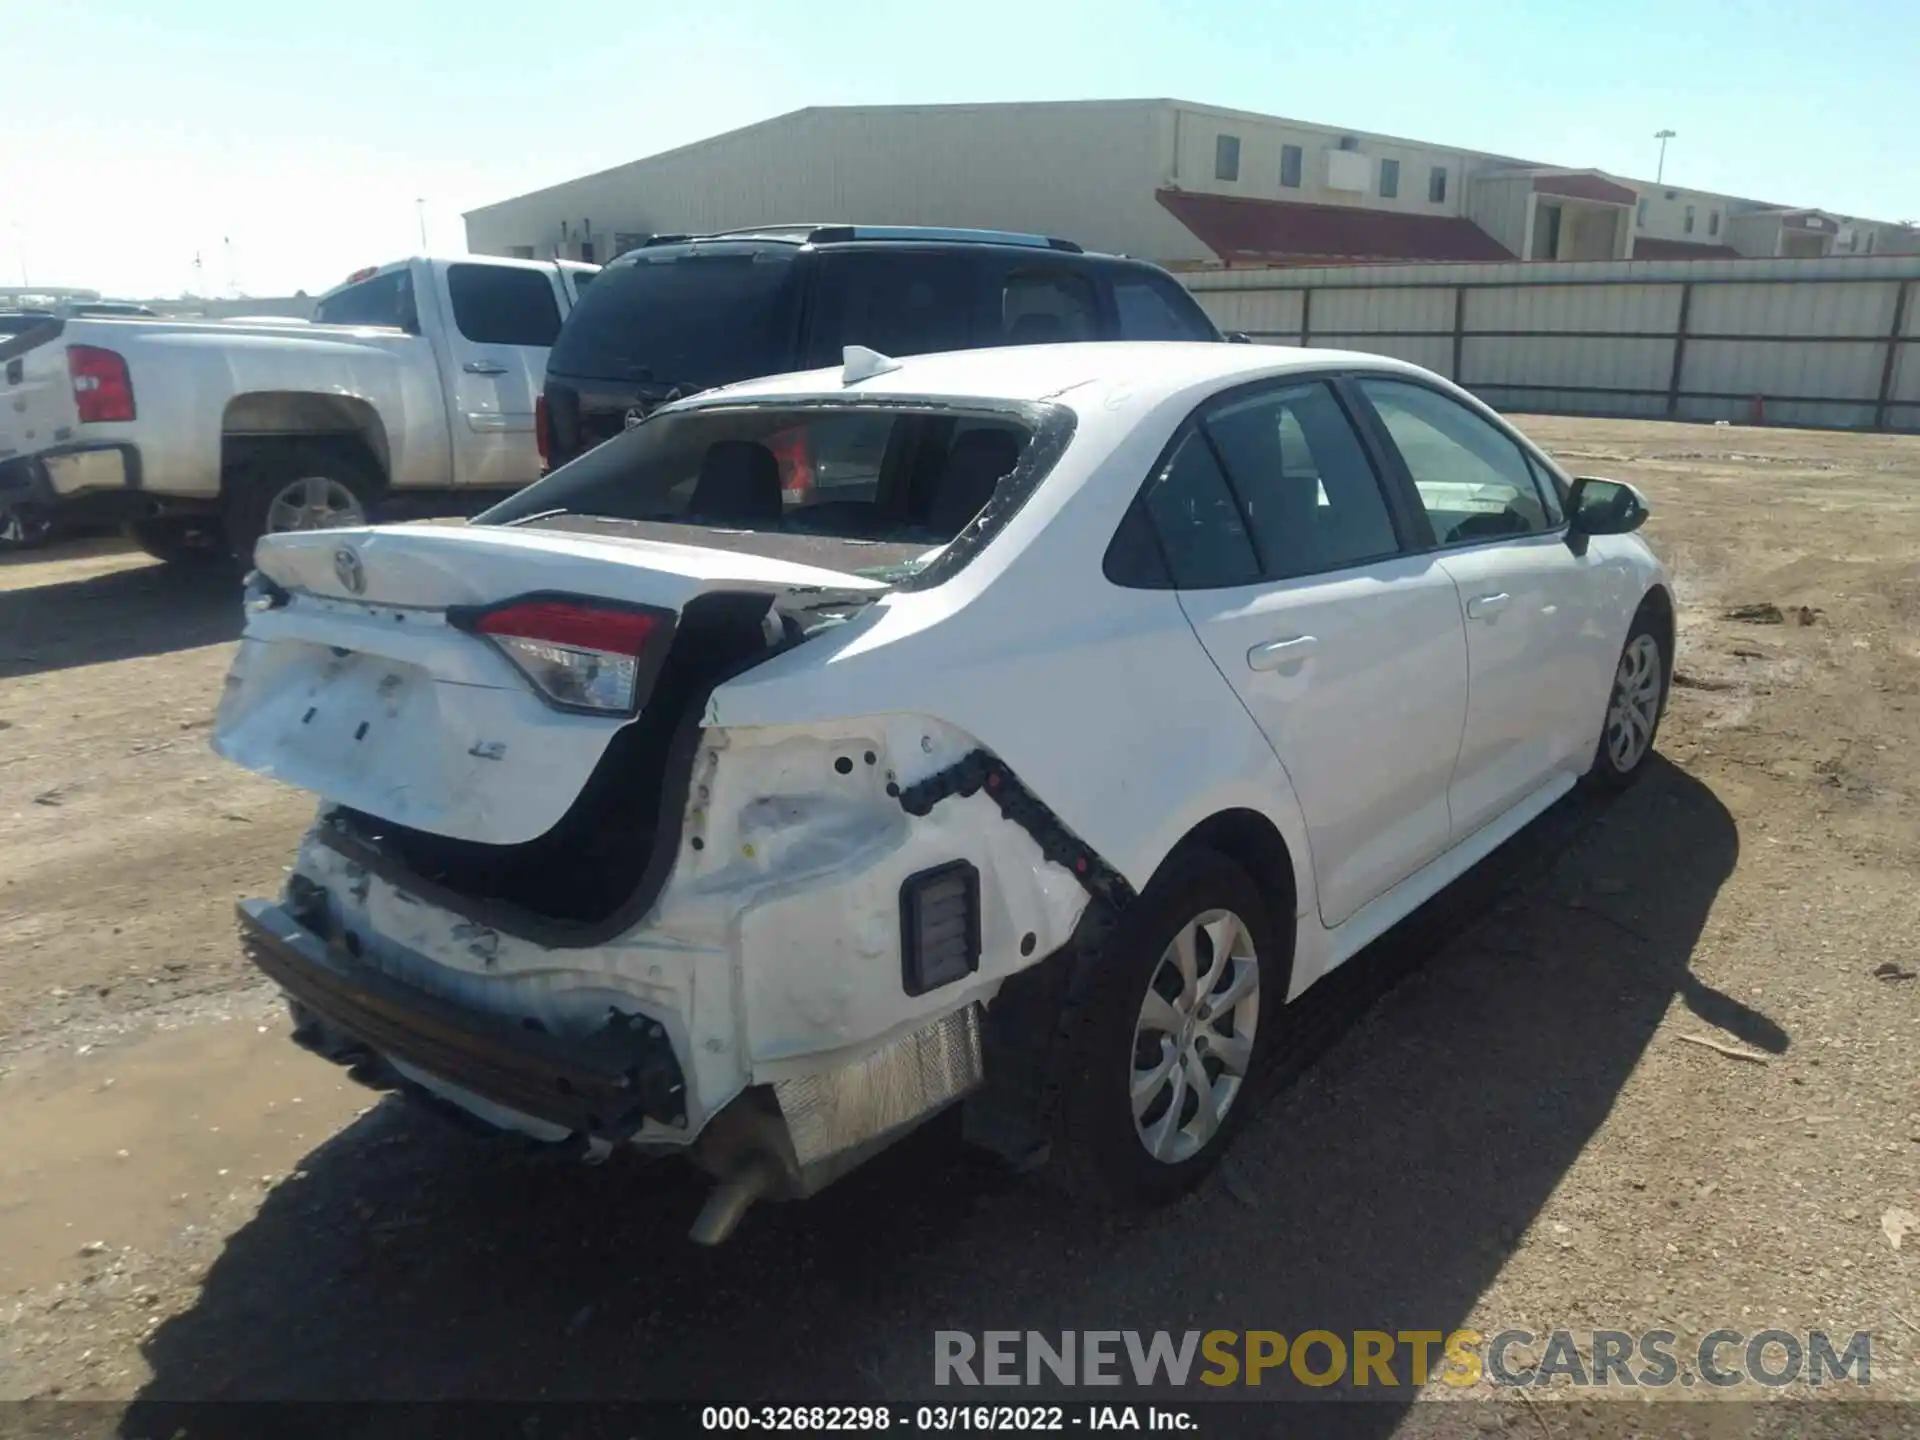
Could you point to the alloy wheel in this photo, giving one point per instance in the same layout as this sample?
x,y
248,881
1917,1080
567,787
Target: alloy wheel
x,y
1636,703
1193,1039
314,502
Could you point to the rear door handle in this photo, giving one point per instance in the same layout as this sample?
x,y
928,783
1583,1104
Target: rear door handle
x,y
1485,607
484,367
1282,654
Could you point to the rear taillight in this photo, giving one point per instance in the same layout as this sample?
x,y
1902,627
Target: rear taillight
x,y
102,390
578,654
540,430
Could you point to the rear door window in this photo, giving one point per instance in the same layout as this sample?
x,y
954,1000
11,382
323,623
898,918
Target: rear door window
x,y
497,305
1306,485
692,318
1044,305
1151,308
898,302
1201,532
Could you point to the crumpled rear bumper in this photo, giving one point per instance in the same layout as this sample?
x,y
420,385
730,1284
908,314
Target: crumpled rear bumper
x,y
604,1085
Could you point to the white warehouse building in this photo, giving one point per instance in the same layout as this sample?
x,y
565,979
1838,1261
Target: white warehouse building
x,y
1190,186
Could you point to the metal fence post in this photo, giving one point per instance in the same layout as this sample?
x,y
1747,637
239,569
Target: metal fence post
x,y
1306,315
1679,350
1459,332
1885,396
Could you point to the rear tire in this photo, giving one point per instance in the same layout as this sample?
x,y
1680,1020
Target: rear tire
x,y
1635,704
1186,992
180,539
302,485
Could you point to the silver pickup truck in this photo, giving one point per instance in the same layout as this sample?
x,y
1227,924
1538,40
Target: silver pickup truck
x,y
413,391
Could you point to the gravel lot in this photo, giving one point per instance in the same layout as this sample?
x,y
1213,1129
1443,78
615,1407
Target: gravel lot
x,y
1518,1132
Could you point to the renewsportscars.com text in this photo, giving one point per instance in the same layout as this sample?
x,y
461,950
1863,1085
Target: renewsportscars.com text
x,y
1401,1358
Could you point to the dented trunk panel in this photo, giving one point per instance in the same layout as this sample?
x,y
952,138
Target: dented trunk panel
x,y
356,688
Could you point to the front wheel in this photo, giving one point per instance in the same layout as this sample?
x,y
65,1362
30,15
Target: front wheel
x,y
1175,1036
22,528
1633,709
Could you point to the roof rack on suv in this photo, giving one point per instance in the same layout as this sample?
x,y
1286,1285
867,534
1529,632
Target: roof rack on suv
x,y
845,234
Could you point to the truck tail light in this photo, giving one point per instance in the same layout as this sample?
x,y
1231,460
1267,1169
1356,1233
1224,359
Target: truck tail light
x,y
102,389
540,430
577,654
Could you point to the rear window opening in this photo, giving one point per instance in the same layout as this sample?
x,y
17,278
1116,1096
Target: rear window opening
x,y
855,488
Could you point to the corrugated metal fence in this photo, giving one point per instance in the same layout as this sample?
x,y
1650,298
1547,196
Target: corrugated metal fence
x,y
1813,342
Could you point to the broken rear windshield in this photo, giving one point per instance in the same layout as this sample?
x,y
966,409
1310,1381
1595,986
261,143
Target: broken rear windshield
x,y
867,488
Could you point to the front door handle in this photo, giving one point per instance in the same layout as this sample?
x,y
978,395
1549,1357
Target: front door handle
x,y
1282,654
484,367
1485,607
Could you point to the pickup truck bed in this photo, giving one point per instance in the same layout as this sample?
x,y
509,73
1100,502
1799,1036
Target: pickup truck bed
x,y
415,393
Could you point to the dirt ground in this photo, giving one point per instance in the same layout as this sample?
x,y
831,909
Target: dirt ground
x,y
1520,1131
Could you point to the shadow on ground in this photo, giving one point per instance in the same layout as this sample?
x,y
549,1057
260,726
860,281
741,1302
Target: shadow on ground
x,y
119,615
1384,1190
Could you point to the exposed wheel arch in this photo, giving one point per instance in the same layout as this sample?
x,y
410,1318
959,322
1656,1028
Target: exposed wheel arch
x,y
268,416
1254,843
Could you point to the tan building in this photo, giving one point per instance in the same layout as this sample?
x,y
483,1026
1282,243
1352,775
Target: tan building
x,y
1190,186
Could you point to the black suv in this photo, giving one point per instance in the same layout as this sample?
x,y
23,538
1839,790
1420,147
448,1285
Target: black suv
x,y
685,313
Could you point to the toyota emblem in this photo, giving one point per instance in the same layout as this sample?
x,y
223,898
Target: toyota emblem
x,y
349,571
635,416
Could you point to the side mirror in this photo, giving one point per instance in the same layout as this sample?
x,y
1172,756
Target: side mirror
x,y
1239,337
1605,507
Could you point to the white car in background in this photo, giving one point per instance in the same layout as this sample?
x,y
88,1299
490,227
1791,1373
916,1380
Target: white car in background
x,y
1107,698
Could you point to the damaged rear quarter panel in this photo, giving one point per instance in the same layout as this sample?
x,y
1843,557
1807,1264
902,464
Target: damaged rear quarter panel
x,y
803,851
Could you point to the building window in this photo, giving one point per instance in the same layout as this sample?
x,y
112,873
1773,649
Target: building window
x,y
1349,142
1437,186
1687,224
1389,179
1870,242
1290,157
1640,213
1226,157
1713,222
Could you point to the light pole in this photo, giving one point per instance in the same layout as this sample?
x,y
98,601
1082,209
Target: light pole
x,y
421,206
1662,136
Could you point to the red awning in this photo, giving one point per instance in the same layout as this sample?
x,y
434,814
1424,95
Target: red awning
x,y
1276,232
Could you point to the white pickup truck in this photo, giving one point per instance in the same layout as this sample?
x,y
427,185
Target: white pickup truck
x,y
413,391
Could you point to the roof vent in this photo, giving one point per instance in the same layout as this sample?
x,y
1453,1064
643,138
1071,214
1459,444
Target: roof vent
x,y
860,363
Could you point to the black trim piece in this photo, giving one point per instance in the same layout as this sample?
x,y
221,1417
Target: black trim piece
x,y
913,976
24,340
653,652
605,1085
981,769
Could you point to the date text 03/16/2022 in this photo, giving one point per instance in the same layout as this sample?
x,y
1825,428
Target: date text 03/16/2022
x,y
938,1419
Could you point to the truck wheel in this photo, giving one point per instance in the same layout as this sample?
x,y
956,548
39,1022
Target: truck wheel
x,y
298,487
179,539
1634,708
23,529
1165,1065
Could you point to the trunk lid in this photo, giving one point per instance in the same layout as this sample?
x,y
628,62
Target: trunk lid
x,y
355,678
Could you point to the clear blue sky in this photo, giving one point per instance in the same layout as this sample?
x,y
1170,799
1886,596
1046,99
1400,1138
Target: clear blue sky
x,y
287,143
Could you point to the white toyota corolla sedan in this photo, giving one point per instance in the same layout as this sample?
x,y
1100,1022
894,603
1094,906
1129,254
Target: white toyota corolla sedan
x,y
1020,727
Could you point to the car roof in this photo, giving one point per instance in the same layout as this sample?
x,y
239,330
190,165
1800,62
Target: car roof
x,y
1086,373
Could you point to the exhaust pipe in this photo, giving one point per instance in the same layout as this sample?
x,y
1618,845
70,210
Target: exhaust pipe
x,y
729,1200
